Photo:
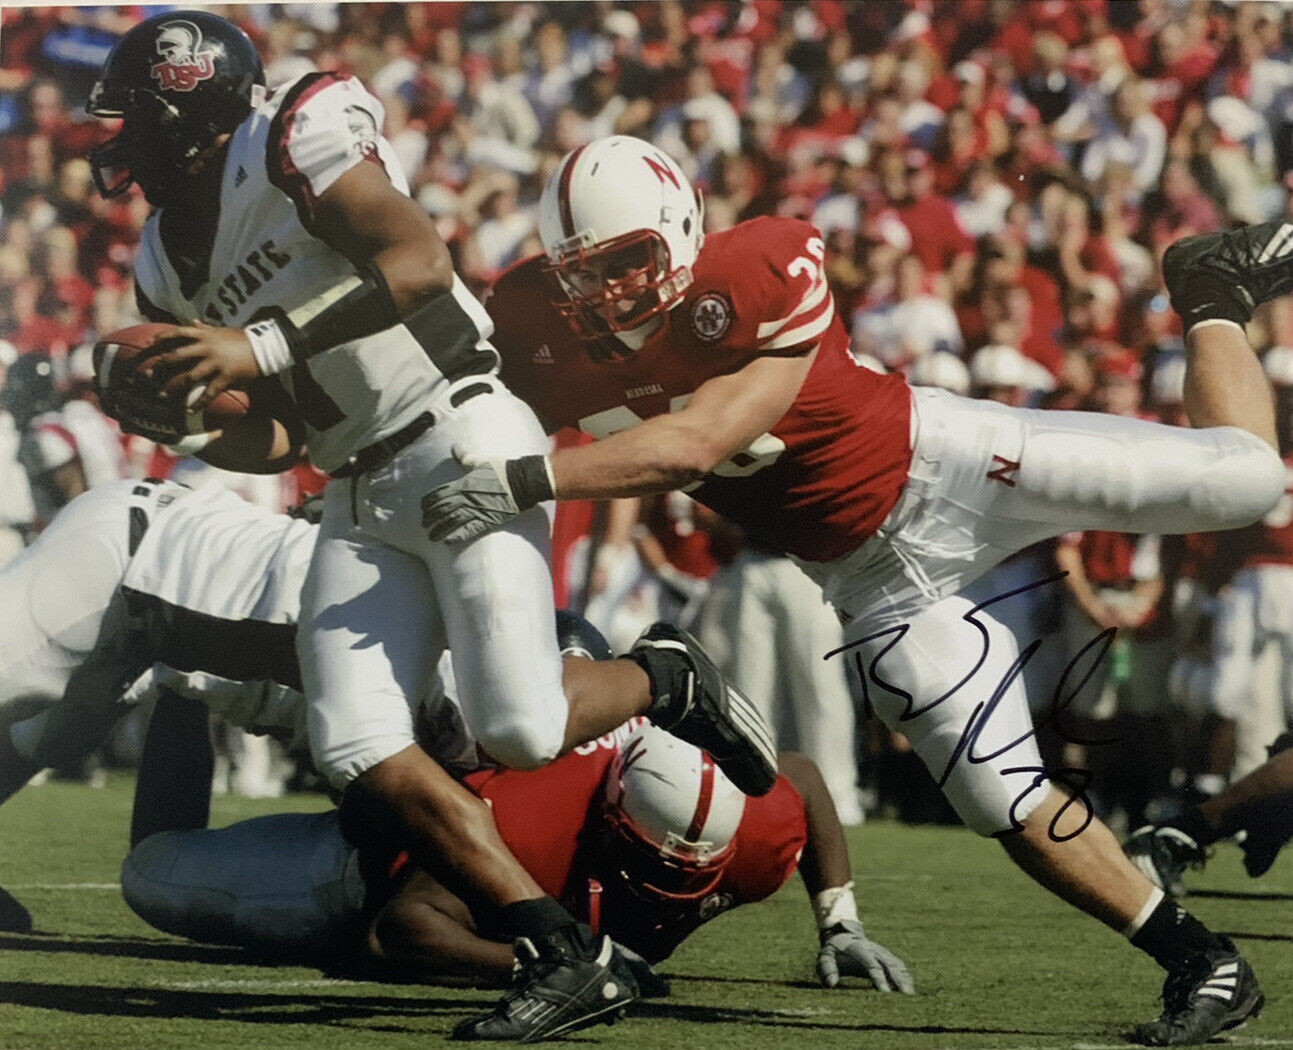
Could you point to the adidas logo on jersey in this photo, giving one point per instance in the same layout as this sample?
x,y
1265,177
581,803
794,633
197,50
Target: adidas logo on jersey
x,y
240,176
542,356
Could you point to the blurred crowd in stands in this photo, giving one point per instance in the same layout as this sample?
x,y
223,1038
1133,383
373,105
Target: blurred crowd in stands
x,y
995,181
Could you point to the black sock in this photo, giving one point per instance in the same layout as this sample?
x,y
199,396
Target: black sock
x,y
537,919
1205,296
668,703
1192,823
1173,937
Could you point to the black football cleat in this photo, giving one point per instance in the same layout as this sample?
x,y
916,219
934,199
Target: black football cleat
x,y
1218,991
1162,854
694,701
1226,275
557,990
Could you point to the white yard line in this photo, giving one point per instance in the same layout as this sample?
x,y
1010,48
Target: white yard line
x,y
257,984
1224,1040
63,886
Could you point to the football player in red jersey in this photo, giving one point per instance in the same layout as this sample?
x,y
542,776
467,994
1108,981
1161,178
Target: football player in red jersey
x,y
717,365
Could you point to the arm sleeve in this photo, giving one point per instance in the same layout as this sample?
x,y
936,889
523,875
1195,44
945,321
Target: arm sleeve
x,y
796,300
326,125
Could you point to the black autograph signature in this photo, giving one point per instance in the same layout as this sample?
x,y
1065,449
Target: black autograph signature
x,y
1076,674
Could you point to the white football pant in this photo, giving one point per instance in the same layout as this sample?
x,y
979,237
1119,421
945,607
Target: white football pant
x,y
987,480
282,884
381,602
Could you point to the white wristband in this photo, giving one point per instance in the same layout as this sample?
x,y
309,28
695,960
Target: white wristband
x,y
269,347
835,905
191,444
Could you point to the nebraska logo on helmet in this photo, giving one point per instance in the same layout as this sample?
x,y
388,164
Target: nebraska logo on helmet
x,y
184,63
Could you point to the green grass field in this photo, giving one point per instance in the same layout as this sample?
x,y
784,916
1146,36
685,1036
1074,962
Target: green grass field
x,y
997,962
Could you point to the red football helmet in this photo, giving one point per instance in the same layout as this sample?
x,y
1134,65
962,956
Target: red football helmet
x,y
621,226
672,817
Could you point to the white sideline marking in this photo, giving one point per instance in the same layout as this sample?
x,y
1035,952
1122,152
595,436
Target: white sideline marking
x,y
258,985
64,886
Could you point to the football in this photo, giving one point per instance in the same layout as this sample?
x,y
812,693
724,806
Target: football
x,y
117,359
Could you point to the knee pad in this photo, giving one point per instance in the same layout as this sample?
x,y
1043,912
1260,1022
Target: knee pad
x,y
991,802
1245,482
522,742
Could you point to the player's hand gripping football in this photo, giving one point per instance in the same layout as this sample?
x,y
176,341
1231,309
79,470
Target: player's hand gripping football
x,y
848,952
211,361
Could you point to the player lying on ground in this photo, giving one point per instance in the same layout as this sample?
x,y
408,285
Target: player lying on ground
x,y
287,253
1257,808
639,835
717,364
144,586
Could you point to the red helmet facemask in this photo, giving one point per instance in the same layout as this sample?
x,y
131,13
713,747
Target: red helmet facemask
x,y
618,285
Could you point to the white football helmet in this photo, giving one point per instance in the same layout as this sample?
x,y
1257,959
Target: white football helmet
x,y
674,816
621,226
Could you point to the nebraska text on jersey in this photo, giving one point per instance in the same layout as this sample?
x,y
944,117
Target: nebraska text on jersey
x,y
824,477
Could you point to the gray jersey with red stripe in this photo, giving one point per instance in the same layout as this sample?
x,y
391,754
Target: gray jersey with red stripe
x,y
265,256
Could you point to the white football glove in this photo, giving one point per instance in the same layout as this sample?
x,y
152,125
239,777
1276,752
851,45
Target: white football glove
x,y
847,952
490,494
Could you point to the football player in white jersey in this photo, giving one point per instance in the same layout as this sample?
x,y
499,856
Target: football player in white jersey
x,y
291,260
147,589
680,846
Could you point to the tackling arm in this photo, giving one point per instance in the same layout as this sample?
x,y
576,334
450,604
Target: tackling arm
x,y
427,930
666,452
677,449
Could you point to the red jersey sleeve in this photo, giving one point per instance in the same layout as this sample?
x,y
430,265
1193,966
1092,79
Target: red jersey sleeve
x,y
540,812
771,275
771,836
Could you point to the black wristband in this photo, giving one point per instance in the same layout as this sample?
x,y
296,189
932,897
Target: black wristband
x,y
528,478
365,309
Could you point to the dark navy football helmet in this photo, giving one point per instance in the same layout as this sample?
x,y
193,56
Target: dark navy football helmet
x,y
177,81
